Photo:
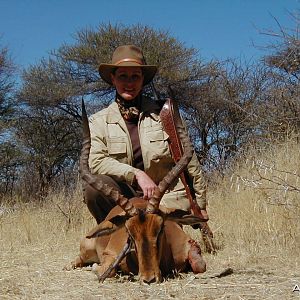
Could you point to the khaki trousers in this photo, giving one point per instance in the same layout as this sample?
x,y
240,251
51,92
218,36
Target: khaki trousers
x,y
100,205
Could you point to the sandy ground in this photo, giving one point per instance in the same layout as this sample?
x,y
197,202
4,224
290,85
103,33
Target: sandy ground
x,y
33,271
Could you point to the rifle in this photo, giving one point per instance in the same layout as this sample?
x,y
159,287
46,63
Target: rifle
x,y
169,116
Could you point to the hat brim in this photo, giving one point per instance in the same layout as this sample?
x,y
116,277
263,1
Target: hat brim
x,y
105,71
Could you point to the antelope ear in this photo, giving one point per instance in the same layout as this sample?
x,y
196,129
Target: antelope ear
x,y
107,227
182,217
172,212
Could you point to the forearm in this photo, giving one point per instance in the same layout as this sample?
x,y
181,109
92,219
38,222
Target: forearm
x,y
111,167
199,184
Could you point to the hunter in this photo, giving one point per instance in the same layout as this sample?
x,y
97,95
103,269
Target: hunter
x,y
129,146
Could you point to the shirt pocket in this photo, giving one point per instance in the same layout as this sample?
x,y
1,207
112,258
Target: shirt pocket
x,y
157,136
117,148
158,141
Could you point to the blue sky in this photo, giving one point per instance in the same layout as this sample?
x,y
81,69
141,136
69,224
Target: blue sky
x,y
217,28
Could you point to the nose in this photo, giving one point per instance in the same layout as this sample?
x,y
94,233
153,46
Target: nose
x,y
131,79
149,280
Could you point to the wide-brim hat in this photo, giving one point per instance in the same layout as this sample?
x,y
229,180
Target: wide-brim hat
x,y
127,56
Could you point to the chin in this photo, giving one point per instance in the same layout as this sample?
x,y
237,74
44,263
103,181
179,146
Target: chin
x,y
128,97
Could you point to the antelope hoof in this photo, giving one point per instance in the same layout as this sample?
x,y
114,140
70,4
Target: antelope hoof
x,y
69,266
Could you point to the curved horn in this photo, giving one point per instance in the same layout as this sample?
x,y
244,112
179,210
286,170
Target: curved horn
x,y
116,263
92,179
153,203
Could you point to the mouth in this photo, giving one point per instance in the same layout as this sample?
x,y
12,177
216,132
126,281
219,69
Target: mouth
x,y
129,93
129,90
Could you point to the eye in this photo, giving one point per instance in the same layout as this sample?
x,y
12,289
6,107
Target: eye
x,y
136,77
122,77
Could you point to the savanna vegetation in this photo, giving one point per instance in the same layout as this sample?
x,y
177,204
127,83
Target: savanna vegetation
x,y
243,120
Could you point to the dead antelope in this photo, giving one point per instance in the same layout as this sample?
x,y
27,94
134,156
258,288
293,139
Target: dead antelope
x,y
139,236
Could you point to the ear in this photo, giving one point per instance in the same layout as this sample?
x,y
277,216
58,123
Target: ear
x,y
107,227
182,217
172,212
112,79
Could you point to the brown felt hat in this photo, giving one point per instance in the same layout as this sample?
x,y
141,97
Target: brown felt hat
x,y
127,56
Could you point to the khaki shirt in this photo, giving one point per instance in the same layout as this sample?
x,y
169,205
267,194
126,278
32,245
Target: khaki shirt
x,y
111,152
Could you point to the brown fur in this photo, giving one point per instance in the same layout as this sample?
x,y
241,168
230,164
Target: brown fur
x,y
160,247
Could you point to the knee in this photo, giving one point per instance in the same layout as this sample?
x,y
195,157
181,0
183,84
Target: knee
x,y
90,195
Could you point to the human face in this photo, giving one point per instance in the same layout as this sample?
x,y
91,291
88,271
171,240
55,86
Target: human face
x,y
128,81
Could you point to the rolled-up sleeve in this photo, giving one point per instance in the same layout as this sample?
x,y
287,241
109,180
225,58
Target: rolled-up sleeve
x,y
199,184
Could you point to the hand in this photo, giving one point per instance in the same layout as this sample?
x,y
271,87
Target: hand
x,y
146,184
204,214
201,213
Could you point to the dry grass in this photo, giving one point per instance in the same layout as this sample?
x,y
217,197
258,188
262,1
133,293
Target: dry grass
x,y
255,220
